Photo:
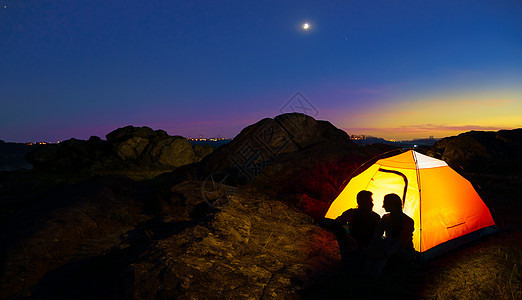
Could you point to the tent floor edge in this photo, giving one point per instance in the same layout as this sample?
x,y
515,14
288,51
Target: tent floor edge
x,y
456,243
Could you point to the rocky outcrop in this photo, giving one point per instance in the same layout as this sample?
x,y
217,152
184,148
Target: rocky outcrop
x,y
128,242
128,147
130,142
270,142
122,134
251,249
280,155
482,152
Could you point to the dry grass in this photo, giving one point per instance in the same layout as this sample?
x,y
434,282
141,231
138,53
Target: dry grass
x,y
488,269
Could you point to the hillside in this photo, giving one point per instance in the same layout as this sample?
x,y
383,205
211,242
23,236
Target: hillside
x,y
91,232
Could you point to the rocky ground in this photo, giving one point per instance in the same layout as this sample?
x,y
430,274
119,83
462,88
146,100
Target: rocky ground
x,y
254,247
75,233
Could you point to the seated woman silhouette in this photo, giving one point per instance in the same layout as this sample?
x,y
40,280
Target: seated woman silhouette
x,y
362,222
398,231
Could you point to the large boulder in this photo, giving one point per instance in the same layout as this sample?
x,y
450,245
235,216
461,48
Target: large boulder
x,y
130,142
126,132
270,141
482,152
132,147
173,151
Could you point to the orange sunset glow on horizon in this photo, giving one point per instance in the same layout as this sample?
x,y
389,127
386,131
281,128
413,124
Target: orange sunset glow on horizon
x,y
442,116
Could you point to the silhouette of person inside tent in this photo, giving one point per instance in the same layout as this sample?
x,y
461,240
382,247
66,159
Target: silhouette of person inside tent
x,y
362,222
398,230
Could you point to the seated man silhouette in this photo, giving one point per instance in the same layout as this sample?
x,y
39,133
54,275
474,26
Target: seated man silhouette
x,y
362,222
398,230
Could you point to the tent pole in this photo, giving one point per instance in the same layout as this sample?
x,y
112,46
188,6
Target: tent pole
x,y
420,198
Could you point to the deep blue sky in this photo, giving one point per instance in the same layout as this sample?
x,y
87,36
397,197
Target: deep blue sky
x,y
397,69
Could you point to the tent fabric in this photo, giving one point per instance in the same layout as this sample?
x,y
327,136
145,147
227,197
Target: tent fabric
x,y
443,204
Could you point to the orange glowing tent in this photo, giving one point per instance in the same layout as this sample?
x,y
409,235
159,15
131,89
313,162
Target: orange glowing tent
x,y
445,207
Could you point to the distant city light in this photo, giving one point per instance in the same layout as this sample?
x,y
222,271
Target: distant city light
x,y
38,143
415,143
210,139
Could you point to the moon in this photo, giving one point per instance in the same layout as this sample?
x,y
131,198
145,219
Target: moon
x,y
306,26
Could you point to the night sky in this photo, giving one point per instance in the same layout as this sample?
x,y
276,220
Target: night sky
x,y
394,69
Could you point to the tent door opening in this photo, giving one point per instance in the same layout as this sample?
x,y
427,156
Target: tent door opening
x,y
388,181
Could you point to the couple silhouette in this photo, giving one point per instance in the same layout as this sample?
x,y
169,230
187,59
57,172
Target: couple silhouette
x,y
368,240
